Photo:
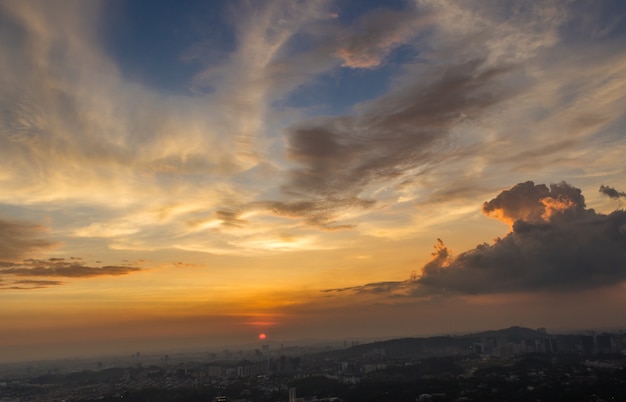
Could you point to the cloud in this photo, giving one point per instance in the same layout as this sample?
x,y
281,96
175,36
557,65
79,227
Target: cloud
x,y
379,149
72,123
536,203
73,267
61,268
321,213
375,35
504,33
18,239
371,288
27,284
439,125
611,192
556,244
393,136
230,217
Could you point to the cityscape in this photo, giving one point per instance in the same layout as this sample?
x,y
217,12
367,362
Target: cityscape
x,y
513,364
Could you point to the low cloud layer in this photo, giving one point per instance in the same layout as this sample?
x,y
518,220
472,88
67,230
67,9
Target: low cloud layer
x,y
28,284
556,244
58,267
53,268
20,239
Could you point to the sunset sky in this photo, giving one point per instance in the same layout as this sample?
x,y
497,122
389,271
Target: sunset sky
x,y
194,173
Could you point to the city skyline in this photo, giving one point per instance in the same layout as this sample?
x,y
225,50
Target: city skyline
x,y
203,173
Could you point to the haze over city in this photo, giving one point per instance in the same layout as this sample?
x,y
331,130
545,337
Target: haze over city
x,y
198,173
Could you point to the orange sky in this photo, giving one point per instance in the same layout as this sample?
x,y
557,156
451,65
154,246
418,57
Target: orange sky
x,y
193,175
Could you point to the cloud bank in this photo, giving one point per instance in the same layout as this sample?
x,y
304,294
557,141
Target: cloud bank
x,y
61,268
54,268
556,244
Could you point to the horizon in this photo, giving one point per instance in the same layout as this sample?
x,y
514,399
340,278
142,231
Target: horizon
x,y
205,172
339,343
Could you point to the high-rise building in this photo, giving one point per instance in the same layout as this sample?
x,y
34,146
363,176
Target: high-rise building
x,y
292,394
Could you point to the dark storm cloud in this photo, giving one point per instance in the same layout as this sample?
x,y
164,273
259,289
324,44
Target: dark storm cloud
x,y
320,213
556,244
396,133
47,268
611,192
21,238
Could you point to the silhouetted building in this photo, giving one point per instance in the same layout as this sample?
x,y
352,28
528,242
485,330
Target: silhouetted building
x,y
605,344
587,344
292,395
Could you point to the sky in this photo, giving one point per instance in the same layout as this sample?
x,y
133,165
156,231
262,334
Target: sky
x,y
195,173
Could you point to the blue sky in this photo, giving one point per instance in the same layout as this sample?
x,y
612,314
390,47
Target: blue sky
x,y
154,42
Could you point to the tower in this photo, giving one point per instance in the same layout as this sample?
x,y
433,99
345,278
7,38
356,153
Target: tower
x,y
292,394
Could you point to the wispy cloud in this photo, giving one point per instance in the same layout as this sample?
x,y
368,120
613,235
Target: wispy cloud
x,y
19,239
370,39
232,166
74,130
391,140
321,213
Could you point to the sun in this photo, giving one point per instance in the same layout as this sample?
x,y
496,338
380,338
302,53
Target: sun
x,y
262,336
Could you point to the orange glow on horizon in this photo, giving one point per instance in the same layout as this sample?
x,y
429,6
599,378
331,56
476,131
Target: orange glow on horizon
x,y
262,336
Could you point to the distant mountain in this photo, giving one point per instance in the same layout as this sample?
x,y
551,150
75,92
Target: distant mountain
x,y
513,334
432,346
